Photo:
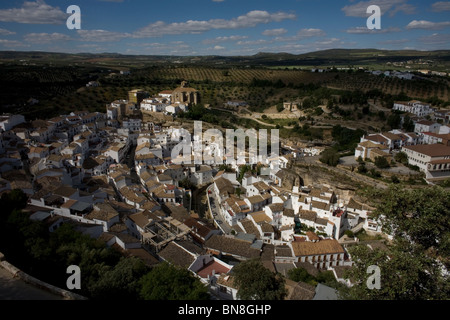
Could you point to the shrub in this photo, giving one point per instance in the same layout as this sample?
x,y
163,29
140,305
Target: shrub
x,y
381,163
395,179
349,233
401,157
330,157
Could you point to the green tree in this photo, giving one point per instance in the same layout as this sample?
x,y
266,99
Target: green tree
x,y
422,215
300,274
394,121
120,282
408,124
255,282
362,168
381,163
395,179
238,192
187,184
411,267
401,157
167,282
347,139
242,171
330,157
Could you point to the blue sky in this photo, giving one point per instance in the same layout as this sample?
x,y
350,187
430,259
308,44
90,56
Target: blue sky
x,y
221,27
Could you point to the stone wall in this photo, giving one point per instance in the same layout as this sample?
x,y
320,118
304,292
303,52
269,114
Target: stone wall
x,y
17,273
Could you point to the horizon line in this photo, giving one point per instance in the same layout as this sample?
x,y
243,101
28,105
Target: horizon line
x,y
218,55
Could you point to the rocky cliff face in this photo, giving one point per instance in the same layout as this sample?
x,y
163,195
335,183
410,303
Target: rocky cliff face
x,y
317,175
289,179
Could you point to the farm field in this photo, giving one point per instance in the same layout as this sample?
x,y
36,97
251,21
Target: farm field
x,y
60,86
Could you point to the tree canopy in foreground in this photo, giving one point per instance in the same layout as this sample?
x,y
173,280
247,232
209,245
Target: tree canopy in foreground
x,y
255,282
413,265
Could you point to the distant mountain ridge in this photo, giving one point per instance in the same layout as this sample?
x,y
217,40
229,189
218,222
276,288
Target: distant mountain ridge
x,y
325,57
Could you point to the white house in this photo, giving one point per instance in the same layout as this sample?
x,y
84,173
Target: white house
x,y
322,254
132,124
105,215
153,105
7,122
136,224
426,126
433,160
173,109
117,152
209,268
415,107
275,212
202,175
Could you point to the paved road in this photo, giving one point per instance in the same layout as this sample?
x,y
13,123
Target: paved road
x,y
16,289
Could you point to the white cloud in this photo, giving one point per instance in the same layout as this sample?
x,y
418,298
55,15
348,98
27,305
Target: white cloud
x,y
307,33
394,41
251,19
436,39
423,24
101,35
219,48
392,6
303,34
365,30
5,32
441,6
252,42
12,44
224,39
297,48
157,48
274,32
46,37
37,12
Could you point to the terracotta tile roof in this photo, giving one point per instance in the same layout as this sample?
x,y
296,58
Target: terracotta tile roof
x,y
283,251
102,211
224,186
289,212
312,236
391,136
431,150
260,217
198,227
320,205
208,269
267,227
250,228
232,246
276,207
176,255
317,248
227,280
299,290
255,199
261,186
376,138
139,219
425,122
308,215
